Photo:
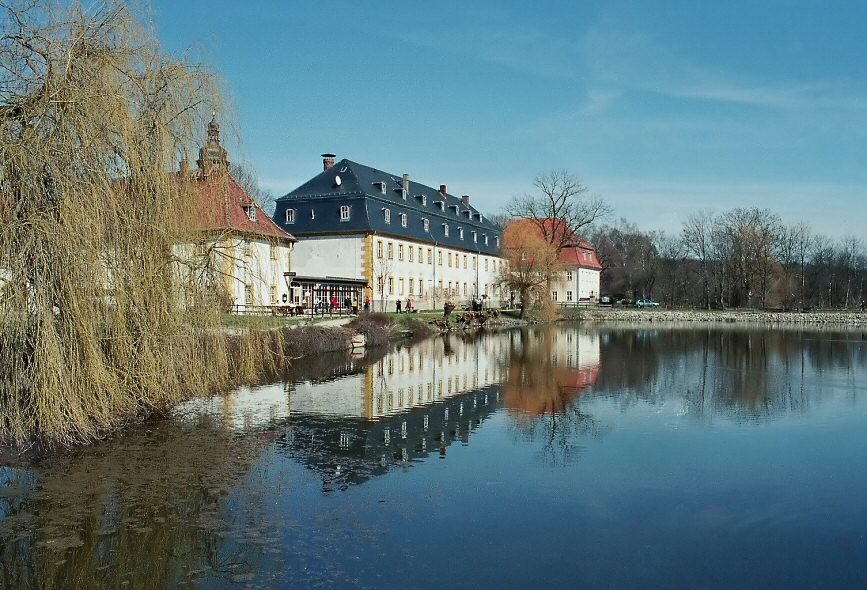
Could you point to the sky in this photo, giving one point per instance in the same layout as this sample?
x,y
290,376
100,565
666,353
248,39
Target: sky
x,y
661,108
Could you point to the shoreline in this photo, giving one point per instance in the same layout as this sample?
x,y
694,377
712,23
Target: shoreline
x,y
641,316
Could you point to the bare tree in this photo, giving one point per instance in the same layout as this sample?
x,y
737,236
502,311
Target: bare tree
x,y
245,174
697,238
560,208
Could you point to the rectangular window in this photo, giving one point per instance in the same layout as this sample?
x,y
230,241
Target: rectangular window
x,y
379,248
568,275
390,251
420,289
465,289
273,292
390,286
273,252
475,263
440,257
290,215
486,264
568,295
429,256
411,284
400,251
400,286
344,213
554,295
420,255
450,259
446,230
465,260
450,287
411,250
248,248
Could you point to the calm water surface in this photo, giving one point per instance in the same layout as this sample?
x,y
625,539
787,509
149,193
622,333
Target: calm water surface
x,y
560,457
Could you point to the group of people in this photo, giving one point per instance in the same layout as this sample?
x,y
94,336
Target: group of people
x,y
408,308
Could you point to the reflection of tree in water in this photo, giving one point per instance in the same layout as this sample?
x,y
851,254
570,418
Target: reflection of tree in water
x,y
542,392
143,511
748,373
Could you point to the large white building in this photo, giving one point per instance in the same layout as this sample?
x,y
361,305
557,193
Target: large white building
x,y
240,250
367,233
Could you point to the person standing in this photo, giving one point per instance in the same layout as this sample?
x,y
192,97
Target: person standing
x,y
367,304
397,304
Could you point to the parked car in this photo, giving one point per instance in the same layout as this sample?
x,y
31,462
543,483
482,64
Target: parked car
x,y
646,303
605,301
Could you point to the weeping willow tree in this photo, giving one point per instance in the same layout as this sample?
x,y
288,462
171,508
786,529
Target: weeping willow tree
x,y
94,327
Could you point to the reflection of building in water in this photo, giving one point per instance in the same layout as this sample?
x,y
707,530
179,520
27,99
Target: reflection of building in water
x,y
414,401
408,377
550,368
349,450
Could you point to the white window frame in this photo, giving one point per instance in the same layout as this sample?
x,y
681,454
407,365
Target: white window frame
x,y
426,223
290,215
345,212
446,229
461,233
386,213
403,219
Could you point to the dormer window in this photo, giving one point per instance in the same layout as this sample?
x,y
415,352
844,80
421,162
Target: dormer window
x,y
403,193
312,214
381,186
250,210
497,241
446,229
475,237
468,213
344,213
440,204
290,215
423,200
426,223
461,233
486,239
455,207
386,213
403,220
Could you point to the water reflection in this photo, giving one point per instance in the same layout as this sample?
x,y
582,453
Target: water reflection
x,y
248,488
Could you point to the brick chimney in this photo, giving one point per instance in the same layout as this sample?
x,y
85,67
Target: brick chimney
x,y
443,190
328,161
466,200
405,184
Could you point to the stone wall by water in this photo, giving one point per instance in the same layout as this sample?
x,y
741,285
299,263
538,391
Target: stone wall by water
x,y
751,317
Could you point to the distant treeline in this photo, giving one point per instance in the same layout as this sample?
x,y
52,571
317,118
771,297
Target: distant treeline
x,y
738,258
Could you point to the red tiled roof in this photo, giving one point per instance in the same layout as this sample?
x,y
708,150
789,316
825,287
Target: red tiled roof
x,y
578,252
223,206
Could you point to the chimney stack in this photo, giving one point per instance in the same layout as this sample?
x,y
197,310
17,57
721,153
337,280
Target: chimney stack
x,y
443,190
328,161
466,200
406,184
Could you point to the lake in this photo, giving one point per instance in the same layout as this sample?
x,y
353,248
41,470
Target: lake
x,y
562,456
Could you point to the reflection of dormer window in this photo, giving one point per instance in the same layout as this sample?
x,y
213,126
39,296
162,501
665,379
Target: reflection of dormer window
x,y
250,210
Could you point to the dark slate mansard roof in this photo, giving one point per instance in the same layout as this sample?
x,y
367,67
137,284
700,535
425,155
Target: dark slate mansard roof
x,y
359,188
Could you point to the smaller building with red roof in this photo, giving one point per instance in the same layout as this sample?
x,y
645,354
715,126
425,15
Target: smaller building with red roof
x,y
577,280
242,251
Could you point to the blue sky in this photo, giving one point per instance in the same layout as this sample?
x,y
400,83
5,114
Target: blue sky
x,y
662,108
